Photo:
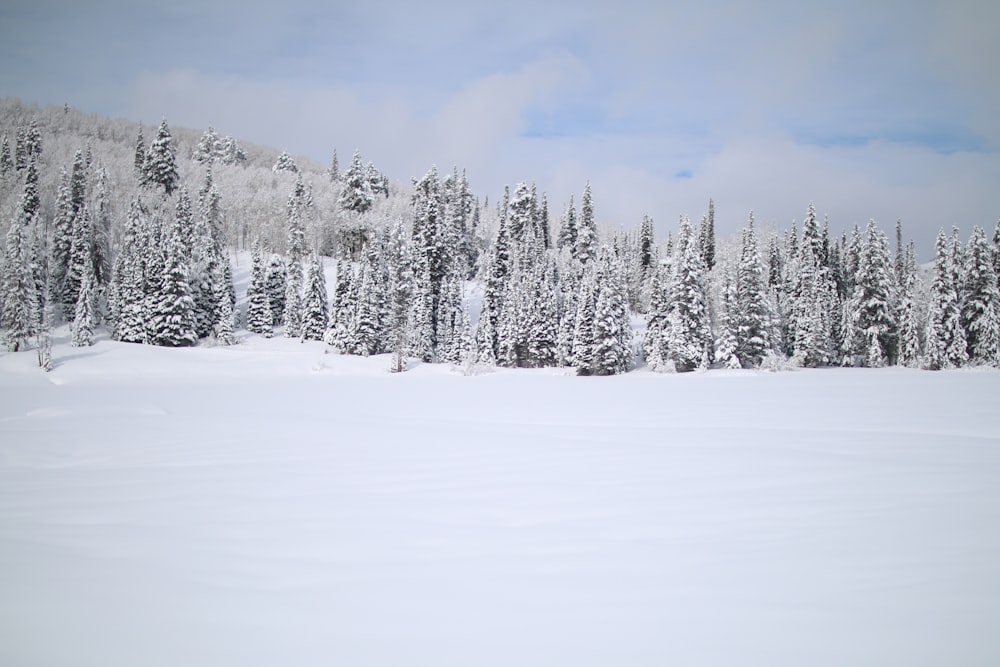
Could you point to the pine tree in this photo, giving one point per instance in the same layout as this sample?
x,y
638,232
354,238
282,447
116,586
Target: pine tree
x,y
356,195
285,163
85,315
173,322
232,152
259,319
275,279
725,345
909,315
224,329
334,168
706,237
139,160
400,286
750,319
872,304
18,299
945,345
981,305
160,168
314,307
612,331
6,160
81,260
690,337
567,228
102,231
584,335
586,238
292,312
209,147
127,311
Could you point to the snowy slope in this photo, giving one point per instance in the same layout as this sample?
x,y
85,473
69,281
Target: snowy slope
x,y
269,504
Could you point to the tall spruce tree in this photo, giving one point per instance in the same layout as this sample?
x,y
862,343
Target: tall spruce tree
x,y
751,318
586,233
981,305
19,299
945,342
173,322
314,306
259,319
160,167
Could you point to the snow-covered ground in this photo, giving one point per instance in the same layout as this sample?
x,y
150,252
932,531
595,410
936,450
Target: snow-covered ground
x,y
269,504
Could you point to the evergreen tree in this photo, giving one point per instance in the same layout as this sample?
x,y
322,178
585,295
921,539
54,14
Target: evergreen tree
x,y
6,161
292,312
232,152
706,237
102,231
209,147
139,160
81,260
275,279
400,286
750,319
945,345
612,329
567,228
584,334
160,168
314,307
31,203
586,235
725,345
356,194
173,322
224,329
285,163
18,299
875,328
85,316
981,305
690,337
127,309
334,168
909,314
259,318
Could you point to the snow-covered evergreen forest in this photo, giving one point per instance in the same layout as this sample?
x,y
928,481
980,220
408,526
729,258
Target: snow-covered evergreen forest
x,y
132,231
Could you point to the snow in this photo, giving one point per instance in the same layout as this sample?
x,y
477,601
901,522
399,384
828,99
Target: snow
x,y
269,504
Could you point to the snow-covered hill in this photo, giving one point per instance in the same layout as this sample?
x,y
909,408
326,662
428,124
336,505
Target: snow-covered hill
x,y
269,503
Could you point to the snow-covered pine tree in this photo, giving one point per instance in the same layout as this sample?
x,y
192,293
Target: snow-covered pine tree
x,y
725,344
751,317
612,331
102,230
875,328
584,335
224,334
275,282
285,163
292,312
81,259
567,228
173,322
706,237
259,319
85,315
586,234
127,307
18,299
334,171
6,158
160,166
981,305
209,147
139,157
400,286
690,341
909,310
314,306
356,194
945,343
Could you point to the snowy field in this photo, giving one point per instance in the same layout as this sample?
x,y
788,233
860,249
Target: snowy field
x,y
269,504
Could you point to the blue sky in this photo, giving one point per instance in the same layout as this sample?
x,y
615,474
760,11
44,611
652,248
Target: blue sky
x,y
879,110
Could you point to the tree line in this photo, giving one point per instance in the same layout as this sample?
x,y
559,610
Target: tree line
x,y
408,262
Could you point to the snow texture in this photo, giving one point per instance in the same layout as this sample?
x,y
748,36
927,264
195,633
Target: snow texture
x,y
268,503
